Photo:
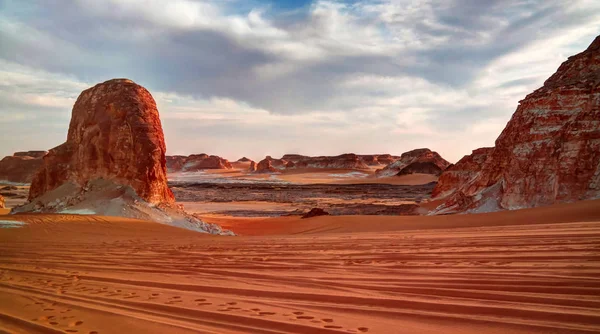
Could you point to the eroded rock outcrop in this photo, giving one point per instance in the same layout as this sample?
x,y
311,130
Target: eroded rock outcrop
x,y
422,160
549,151
21,166
2,202
315,212
343,161
265,166
196,162
113,162
460,173
378,159
252,167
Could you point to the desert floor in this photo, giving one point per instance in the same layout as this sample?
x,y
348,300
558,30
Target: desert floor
x,y
529,271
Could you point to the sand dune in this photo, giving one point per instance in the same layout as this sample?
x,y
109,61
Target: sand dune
x,y
533,271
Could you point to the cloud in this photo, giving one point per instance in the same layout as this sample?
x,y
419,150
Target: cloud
x,y
325,78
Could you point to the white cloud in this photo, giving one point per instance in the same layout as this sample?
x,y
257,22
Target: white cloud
x,y
363,76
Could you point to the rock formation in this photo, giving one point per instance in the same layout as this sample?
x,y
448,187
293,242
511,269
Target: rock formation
x,y
252,167
314,212
115,134
244,159
2,203
113,161
196,162
265,166
343,161
549,151
378,159
460,173
21,166
421,160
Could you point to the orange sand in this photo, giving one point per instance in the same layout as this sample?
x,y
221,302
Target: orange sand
x,y
530,271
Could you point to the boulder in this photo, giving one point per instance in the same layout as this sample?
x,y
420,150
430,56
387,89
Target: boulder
x,y
314,212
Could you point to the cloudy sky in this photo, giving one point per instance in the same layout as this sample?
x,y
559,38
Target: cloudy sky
x,y
239,77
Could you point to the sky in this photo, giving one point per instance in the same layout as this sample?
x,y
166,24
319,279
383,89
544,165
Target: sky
x,y
253,78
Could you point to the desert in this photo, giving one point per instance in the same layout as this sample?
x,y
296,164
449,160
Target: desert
x,y
174,205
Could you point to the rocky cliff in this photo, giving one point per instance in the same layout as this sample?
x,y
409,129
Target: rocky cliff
x,y
549,151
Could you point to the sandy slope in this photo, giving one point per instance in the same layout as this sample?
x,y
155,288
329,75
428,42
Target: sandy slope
x,y
534,271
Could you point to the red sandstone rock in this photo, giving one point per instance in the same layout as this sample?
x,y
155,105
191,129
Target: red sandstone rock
x,y
378,159
290,164
549,151
115,134
21,167
2,203
421,160
252,167
265,166
463,171
196,162
33,154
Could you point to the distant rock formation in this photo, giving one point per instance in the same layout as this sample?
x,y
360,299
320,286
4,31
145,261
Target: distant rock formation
x,y
113,162
252,167
196,162
343,161
21,166
378,159
549,151
315,212
265,166
244,159
421,160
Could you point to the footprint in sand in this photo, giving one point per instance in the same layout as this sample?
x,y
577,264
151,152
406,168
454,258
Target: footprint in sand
x,y
93,332
266,313
200,300
332,327
204,304
327,320
232,303
363,329
75,323
306,317
155,294
298,313
71,331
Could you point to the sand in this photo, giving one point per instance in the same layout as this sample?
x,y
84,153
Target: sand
x,y
529,271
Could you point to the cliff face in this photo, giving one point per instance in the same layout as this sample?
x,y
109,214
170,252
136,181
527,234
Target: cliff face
x,y
549,151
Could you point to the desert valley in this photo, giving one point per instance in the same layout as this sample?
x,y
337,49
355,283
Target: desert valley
x,y
108,233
